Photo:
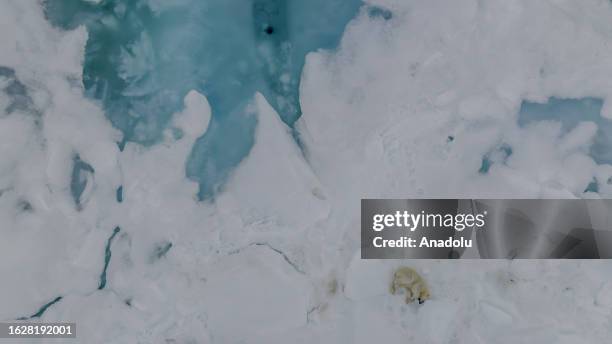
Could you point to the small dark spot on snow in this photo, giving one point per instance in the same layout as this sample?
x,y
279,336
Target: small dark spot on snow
x,y
379,12
269,29
24,205
160,250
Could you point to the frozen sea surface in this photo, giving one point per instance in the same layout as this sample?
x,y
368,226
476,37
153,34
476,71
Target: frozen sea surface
x,y
142,57
382,99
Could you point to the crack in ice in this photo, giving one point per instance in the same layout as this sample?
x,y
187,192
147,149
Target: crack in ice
x,y
107,258
42,309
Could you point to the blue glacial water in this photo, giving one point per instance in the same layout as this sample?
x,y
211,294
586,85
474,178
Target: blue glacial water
x,y
498,155
143,56
570,112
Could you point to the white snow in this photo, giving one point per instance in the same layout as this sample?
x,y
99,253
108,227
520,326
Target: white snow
x,y
275,257
274,163
254,292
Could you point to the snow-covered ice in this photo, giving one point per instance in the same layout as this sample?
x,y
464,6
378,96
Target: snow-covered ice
x,y
438,98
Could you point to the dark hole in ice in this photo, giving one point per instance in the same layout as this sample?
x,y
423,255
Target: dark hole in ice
x,y
269,30
119,194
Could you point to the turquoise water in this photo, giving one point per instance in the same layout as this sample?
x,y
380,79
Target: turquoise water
x,y
42,309
498,155
570,112
142,57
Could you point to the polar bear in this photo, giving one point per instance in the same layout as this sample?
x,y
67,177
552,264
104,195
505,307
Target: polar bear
x,y
408,279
